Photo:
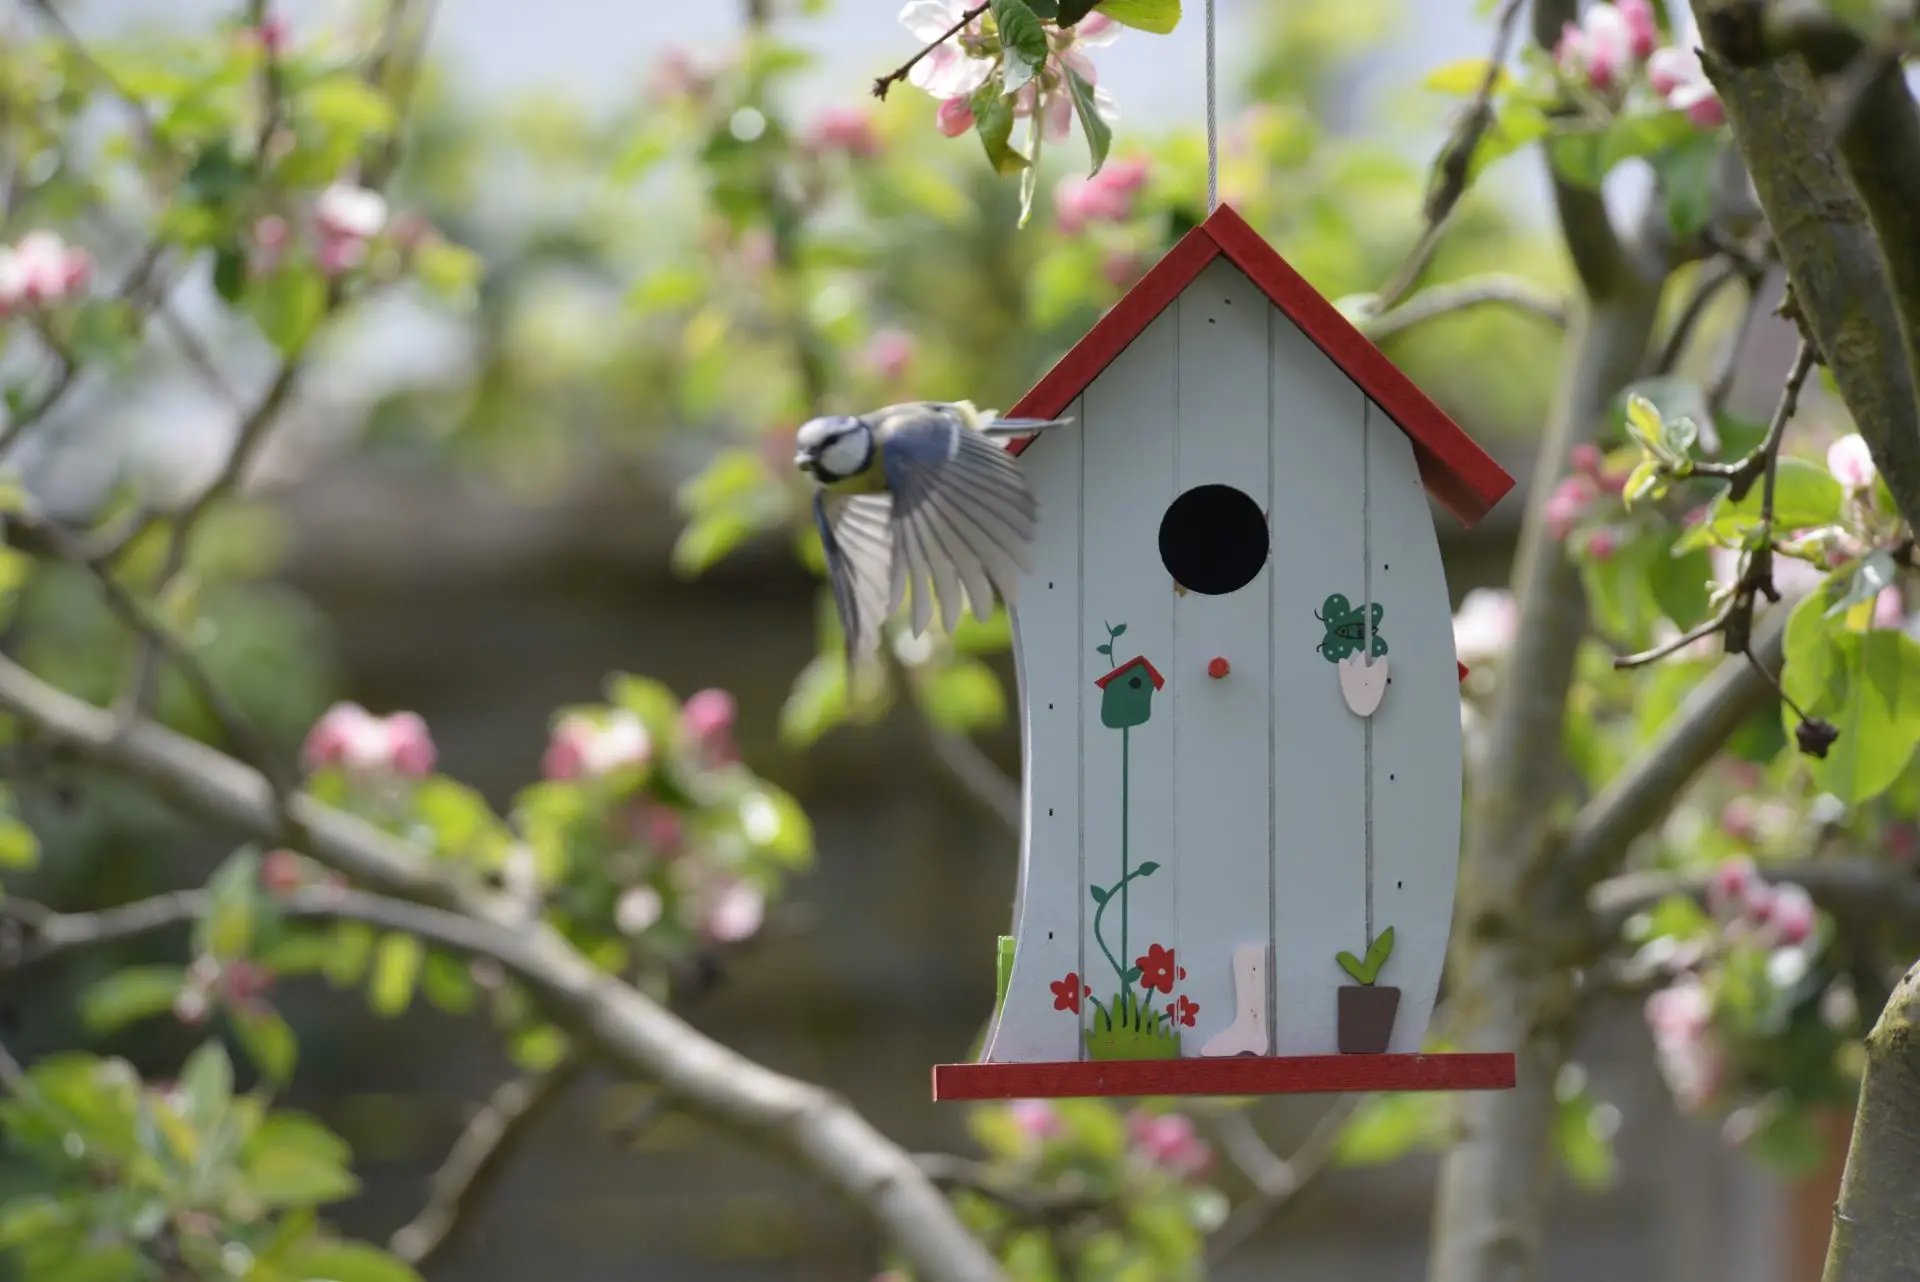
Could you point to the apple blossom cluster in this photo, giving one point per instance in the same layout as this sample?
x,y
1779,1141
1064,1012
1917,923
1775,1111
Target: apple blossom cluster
x,y
350,737
1578,494
846,129
1611,42
957,67
583,746
1773,922
345,220
41,270
239,982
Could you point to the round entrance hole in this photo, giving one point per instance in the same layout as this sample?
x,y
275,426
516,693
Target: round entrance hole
x,y
1214,540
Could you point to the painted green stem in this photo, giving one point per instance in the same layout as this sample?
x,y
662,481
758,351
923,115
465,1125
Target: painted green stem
x,y
1119,889
1126,874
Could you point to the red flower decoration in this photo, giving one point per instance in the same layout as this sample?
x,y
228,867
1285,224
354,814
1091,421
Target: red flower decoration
x,y
1156,968
1067,993
1187,1010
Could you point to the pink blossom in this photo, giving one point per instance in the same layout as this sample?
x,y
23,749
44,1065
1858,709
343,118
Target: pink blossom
x,y
1643,32
1677,76
1107,196
1485,626
1602,544
890,354
950,68
1169,1141
1791,914
1036,1118
846,128
1690,1056
41,270
585,747
349,211
676,75
1851,462
1888,610
1597,49
410,745
1733,887
1587,460
1049,96
270,237
190,1006
707,719
659,828
736,913
337,255
1120,269
349,736
955,116
1569,504
282,872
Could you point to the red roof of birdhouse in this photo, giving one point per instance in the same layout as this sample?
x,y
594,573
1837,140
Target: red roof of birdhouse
x,y
1138,661
1456,471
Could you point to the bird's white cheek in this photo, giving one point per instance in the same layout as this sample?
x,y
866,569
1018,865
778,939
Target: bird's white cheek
x,y
844,457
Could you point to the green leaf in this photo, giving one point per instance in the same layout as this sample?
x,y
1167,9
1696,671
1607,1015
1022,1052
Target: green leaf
x,y
1806,496
1464,76
1379,951
291,1160
1024,42
1643,136
1147,869
352,947
1099,133
964,696
1679,585
1386,1128
1117,630
230,274
1104,649
447,983
451,272
206,1082
993,122
349,106
1875,573
1867,685
1686,181
396,965
1353,966
1579,157
287,306
136,993
707,540
460,819
539,1048
1645,423
817,703
349,1262
233,891
19,848
268,1041
1099,893
1157,16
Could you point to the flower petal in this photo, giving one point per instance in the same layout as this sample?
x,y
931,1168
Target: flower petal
x,y
928,20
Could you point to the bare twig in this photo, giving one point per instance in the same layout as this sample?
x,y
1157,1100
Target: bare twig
x,y
1061,1203
483,1146
1495,288
1276,1180
983,781
901,72
611,1019
1715,275
1454,165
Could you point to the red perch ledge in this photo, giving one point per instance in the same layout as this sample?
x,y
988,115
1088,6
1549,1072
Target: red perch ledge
x,y
1238,1075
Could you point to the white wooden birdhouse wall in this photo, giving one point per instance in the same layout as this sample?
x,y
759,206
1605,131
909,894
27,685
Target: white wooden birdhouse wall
x,y
1235,770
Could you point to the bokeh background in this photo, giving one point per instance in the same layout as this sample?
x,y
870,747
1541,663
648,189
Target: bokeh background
x,y
476,516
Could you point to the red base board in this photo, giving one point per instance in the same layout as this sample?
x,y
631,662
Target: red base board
x,y
1238,1075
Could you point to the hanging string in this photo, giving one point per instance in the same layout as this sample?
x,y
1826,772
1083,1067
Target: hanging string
x,y
1213,135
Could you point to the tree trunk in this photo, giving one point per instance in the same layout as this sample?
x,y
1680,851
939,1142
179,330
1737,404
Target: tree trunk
x,y
1876,1224
1508,986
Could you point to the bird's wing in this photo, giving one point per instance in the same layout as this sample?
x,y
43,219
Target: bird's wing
x,y
962,516
856,535
1020,426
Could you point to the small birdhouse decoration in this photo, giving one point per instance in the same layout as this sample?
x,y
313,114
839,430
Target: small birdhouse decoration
x,y
1241,703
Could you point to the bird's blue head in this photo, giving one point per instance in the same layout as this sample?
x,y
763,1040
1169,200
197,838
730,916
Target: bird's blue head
x,y
833,448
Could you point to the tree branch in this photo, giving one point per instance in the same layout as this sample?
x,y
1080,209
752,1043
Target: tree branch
x,y
628,1030
1458,295
901,72
1853,890
483,1147
1821,228
1876,1222
1276,1180
1059,1204
983,781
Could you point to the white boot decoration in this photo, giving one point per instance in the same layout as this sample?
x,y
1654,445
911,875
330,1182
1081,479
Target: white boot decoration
x,y
1248,1033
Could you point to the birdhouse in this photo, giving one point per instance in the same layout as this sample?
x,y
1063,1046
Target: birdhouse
x,y
1240,703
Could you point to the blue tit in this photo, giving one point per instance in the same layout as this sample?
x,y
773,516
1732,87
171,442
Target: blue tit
x,y
923,495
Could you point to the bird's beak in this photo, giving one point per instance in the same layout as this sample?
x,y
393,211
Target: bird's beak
x,y
804,460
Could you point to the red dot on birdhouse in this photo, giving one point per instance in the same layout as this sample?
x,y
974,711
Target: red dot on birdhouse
x,y
1217,668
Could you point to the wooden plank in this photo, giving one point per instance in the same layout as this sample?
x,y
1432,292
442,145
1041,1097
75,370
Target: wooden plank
x,y
1222,727
1128,482
1461,475
1319,754
1247,1075
1415,753
1051,668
